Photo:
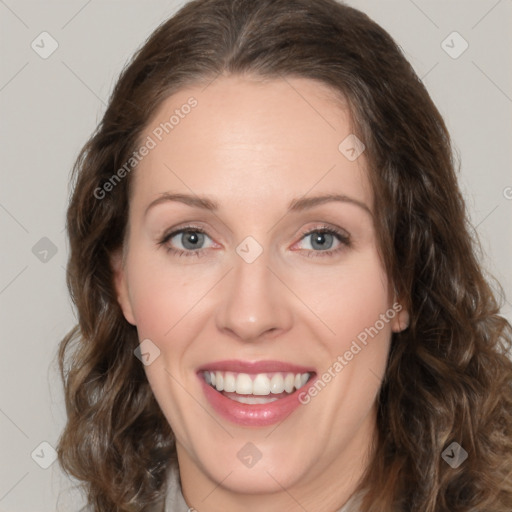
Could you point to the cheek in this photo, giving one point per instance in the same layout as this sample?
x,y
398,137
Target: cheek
x,y
349,298
355,305
162,294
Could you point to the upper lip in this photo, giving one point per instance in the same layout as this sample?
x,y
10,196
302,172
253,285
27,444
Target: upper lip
x,y
238,366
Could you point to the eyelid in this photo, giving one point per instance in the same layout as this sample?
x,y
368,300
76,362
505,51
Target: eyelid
x,y
324,227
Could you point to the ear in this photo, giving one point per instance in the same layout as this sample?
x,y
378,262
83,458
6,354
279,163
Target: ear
x,y
402,318
121,286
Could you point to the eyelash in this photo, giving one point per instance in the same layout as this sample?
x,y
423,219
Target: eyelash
x,y
341,236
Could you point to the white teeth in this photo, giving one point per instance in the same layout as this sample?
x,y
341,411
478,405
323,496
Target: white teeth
x,y
289,382
219,381
250,399
277,383
243,384
229,382
261,384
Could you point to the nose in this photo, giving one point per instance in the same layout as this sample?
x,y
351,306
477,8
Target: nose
x,y
255,304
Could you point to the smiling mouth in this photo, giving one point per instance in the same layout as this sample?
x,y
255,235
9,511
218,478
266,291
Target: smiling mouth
x,y
258,388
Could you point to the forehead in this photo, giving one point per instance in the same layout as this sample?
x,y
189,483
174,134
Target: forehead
x,y
251,141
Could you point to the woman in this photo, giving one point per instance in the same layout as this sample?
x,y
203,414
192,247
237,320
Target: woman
x,y
280,304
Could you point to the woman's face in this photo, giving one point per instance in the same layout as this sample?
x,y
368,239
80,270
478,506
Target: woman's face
x,y
274,284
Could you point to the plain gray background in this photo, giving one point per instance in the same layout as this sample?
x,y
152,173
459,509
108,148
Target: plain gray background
x,y
48,109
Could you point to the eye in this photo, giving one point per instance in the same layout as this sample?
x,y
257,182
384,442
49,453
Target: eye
x,y
190,238
321,241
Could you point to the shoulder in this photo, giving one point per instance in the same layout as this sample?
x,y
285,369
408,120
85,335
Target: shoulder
x,y
174,498
353,504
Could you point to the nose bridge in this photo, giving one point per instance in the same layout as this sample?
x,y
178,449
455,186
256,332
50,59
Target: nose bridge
x,y
254,301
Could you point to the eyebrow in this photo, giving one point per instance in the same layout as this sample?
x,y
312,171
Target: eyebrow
x,y
296,205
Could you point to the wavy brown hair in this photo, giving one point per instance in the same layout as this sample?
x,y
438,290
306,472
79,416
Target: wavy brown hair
x,y
448,376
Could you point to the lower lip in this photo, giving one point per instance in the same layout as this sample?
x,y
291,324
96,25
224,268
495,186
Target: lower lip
x,y
253,415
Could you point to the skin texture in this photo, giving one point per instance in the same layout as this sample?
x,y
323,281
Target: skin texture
x,y
253,146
